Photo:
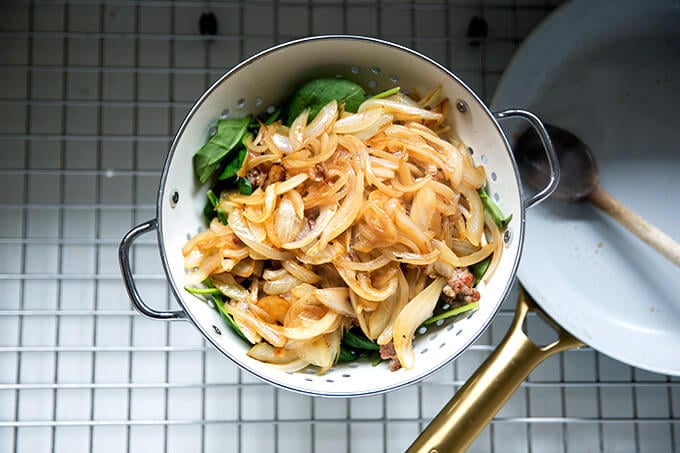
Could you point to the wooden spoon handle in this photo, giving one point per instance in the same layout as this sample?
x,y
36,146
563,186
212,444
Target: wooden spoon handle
x,y
654,237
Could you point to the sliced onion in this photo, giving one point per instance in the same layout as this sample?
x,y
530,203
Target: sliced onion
x,y
243,232
228,286
264,352
358,284
280,286
329,322
325,216
423,208
400,108
347,212
420,259
287,223
300,272
327,255
414,313
365,266
296,134
402,299
336,299
323,120
274,306
374,128
475,223
316,352
357,121
267,331
282,143
292,367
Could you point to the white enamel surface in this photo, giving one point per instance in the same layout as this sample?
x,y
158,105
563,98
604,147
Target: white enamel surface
x,y
616,84
269,78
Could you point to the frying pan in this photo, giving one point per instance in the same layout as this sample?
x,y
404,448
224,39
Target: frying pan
x,y
610,73
262,83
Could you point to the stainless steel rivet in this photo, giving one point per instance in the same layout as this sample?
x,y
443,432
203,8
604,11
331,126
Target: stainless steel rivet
x,y
462,106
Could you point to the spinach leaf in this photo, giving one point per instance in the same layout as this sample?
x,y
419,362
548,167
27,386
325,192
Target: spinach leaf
x,y
234,165
319,92
244,186
214,201
357,340
347,354
450,313
386,93
494,211
479,269
229,134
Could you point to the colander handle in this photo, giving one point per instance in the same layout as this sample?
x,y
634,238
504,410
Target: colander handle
x,y
553,164
128,278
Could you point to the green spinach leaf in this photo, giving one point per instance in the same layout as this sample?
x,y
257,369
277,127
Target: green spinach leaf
x,y
494,211
244,186
479,269
319,92
229,134
234,165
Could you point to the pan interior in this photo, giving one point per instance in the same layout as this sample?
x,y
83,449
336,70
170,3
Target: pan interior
x,y
617,88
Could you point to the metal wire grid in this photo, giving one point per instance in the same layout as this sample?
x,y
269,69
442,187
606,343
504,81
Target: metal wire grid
x,y
91,93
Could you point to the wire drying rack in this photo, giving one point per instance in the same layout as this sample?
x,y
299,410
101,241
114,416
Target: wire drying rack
x,y
91,93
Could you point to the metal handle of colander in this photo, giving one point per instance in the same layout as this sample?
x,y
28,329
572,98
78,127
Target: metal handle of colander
x,y
553,164
128,278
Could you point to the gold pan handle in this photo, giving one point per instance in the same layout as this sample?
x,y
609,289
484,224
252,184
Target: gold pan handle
x,y
476,403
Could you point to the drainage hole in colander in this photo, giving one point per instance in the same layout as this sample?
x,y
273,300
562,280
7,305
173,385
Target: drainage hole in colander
x,y
330,380
217,330
355,69
375,70
494,177
459,332
257,101
472,313
496,197
484,159
439,323
212,131
174,198
423,351
353,365
442,345
432,337
271,109
449,328
224,114
372,84
394,78
471,151
310,371
240,103
308,379
346,375
422,330
446,307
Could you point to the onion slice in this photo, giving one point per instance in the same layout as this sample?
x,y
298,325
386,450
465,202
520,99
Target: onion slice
x,y
414,313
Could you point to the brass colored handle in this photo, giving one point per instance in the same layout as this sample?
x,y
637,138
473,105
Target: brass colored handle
x,y
476,403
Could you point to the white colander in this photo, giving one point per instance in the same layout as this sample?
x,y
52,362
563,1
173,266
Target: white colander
x,y
260,84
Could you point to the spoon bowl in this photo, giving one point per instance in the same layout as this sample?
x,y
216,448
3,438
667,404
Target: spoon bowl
x,y
579,181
